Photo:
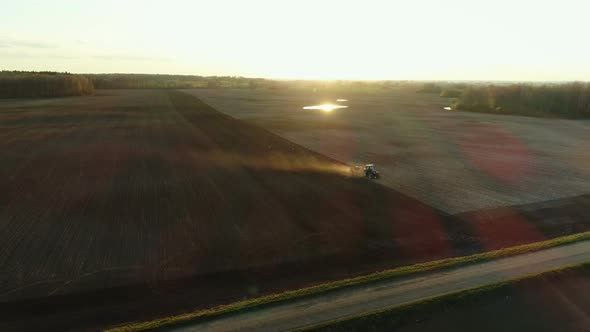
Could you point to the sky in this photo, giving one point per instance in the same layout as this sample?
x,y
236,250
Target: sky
x,y
517,40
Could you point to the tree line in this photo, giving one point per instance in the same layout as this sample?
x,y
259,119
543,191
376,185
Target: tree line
x,y
563,100
51,84
160,81
21,84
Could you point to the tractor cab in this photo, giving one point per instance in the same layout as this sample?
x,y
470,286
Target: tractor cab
x,y
371,172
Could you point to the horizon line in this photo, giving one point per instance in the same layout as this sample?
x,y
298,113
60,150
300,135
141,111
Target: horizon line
x,y
311,79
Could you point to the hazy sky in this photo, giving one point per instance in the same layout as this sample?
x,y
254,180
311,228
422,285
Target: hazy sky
x,y
417,39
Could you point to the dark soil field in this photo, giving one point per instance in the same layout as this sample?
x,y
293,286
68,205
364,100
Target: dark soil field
x,y
134,204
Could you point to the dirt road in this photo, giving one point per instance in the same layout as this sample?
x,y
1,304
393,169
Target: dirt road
x,y
309,312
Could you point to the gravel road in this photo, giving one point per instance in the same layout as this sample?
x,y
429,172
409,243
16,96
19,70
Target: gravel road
x,y
351,302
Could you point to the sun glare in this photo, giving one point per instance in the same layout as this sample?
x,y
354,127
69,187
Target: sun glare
x,y
324,107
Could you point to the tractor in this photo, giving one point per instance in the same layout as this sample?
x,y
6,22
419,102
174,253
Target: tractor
x,y
368,171
371,172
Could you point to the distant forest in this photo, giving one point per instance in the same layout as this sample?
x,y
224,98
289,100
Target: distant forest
x,y
156,81
569,100
563,100
19,84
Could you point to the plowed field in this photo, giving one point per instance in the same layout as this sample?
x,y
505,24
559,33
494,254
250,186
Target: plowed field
x,y
128,193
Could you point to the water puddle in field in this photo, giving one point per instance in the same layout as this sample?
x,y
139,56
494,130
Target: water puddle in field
x,y
341,100
324,107
447,108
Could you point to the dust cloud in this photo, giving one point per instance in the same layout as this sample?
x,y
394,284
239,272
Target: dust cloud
x,y
277,162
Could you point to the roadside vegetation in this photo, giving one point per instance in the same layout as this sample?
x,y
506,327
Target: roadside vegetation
x,y
21,84
413,313
258,303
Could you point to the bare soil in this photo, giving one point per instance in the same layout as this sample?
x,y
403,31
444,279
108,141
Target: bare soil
x,y
454,161
135,204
